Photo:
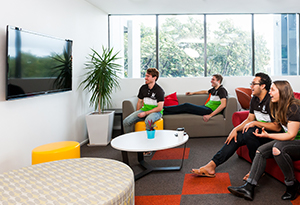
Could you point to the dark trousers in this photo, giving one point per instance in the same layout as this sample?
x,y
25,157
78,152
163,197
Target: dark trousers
x,y
289,152
246,138
187,108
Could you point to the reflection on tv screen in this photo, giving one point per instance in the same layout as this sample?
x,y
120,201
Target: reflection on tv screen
x,y
37,64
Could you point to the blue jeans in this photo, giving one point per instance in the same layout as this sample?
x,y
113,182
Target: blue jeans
x,y
187,108
133,118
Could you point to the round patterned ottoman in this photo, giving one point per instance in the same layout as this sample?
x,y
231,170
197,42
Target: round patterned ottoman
x,y
71,181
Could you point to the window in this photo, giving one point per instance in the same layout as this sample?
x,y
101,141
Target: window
x,y
134,37
181,45
276,43
229,50
202,45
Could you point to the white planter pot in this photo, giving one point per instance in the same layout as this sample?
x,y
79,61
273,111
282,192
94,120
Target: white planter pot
x,y
100,127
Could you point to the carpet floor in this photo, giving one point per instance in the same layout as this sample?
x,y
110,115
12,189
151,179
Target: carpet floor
x,y
182,187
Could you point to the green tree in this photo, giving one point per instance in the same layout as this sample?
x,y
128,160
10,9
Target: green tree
x,y
228,49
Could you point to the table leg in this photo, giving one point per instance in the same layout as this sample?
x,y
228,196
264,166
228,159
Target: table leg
x,y
183,156
149,168
125,157
122,131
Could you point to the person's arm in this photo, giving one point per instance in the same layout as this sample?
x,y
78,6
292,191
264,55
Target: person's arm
x,y
139,104
293,128
218,110
233,133
271,126
159,108
197,92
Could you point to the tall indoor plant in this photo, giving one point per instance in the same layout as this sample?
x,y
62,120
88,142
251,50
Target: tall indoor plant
x,y
101,79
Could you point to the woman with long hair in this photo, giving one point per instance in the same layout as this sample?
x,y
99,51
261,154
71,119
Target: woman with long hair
x,y
284,148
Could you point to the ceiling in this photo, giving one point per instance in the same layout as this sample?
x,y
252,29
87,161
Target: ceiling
x,y
196,6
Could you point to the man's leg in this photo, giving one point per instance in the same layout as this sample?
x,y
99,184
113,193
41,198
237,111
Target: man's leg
x,y
187,108
153,116
254,142
228,150
130,120
221,156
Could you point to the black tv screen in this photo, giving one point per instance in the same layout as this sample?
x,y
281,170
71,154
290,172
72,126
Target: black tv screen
x,y
36,64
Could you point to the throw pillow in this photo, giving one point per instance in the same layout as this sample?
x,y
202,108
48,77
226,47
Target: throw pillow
x,y
297,95
171,100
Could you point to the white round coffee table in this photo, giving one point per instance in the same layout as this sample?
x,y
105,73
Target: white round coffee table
x,y
138,142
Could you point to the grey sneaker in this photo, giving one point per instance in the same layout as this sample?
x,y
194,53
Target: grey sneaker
x,y
147,154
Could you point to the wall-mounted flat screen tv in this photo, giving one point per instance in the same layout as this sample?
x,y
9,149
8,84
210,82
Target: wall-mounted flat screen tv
x,y
36,64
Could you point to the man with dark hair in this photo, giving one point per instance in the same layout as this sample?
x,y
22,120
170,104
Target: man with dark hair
x,y
150,101
259,116
215,105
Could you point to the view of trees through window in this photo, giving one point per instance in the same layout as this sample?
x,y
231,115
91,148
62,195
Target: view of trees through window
x,y
201,45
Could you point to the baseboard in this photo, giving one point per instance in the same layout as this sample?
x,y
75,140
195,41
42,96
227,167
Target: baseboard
x,y
84,141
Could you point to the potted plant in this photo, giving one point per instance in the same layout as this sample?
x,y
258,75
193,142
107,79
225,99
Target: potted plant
x,y
101,79
150,125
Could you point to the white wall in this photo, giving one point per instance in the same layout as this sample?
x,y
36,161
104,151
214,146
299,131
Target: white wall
x,y
28,123
129,87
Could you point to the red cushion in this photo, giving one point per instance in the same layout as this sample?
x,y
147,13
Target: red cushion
x,y
297,95
238,117
171,100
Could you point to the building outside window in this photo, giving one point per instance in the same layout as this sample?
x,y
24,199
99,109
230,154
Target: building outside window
x,y
135,38
276,35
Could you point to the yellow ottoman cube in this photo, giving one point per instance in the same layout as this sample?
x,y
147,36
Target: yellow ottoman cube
x,y
141,125
55,151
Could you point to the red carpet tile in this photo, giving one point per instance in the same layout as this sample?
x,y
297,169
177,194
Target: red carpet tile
x,y
205,185
175,153
158,199
296,201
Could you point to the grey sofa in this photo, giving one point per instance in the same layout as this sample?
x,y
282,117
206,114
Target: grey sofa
x,y
219,125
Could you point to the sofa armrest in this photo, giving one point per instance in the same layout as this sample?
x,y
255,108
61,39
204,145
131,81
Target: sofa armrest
x,y
129,106
239,117
231,107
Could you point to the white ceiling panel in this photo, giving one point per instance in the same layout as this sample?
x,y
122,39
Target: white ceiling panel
x,y
196,6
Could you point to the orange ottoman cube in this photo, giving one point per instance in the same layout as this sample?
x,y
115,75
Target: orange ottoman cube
x,y
55,151
141,125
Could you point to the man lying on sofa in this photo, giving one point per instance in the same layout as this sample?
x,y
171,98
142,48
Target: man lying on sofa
x,y
259,116
215,105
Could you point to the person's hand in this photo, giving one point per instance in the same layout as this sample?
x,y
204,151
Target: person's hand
x,y
262,134
188,93
232,135
142,114
248,125
206,118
